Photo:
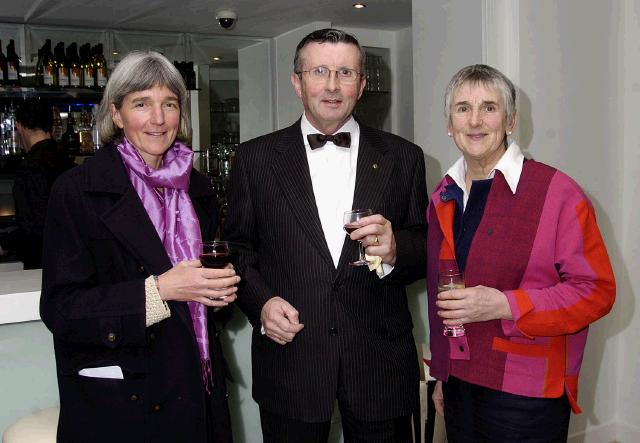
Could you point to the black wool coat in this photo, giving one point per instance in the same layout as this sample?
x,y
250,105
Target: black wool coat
x,y
100,246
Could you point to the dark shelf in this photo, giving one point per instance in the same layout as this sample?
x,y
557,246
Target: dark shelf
x,y
51,93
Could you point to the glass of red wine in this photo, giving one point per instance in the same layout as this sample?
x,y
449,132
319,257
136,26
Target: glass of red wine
x,y
215,254
350,220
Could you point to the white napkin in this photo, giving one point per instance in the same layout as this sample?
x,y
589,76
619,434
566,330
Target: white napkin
x,y
375,262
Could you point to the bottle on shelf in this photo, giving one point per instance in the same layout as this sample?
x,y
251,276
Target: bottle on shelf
x,y
75,70
95,129
49,70
57,131
84,130
101,66
3,67
88,69
10,139
61,65
13,64
70,138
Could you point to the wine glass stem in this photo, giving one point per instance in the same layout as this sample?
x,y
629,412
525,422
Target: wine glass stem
x,y
361,248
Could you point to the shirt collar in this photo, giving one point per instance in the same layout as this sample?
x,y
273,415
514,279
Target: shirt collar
x,y
510,164
307,128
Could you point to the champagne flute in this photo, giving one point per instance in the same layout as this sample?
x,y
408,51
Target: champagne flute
x,y
350,220
449,279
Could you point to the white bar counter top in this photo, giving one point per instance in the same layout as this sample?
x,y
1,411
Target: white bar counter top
x,y
20,296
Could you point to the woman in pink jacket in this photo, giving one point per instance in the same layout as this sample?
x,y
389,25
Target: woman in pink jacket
x,y
535,268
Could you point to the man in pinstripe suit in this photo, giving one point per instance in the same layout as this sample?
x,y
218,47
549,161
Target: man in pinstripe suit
x,y
325,330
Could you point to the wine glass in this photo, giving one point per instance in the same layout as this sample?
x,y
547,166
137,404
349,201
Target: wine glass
x,y
350,220
215,254
449,279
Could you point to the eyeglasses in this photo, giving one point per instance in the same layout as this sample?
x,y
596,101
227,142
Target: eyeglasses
x,y
322,73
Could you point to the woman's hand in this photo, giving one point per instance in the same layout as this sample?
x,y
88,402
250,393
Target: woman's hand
x,y
438,398
189,281
470,305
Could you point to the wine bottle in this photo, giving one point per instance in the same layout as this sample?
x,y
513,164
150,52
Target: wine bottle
x,y
70,138
88,70
3,67
101,66
61,65
49,71
13,64
75,70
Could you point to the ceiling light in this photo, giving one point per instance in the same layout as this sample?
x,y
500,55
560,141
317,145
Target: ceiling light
x,y
359,5
217,59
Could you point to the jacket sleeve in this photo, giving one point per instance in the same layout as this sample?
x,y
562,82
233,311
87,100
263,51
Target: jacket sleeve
x,y
583,285
240,228
411,234
74,304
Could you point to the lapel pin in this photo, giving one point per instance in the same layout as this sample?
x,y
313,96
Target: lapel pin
x,y
375,166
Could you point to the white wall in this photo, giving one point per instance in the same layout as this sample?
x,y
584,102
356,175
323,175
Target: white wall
x,y
577,65
254,67
628,168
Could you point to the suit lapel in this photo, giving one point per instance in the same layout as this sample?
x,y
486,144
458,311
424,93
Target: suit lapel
x,y
372,178
291,170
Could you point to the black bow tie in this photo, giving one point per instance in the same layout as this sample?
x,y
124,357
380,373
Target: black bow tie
x,y
340,139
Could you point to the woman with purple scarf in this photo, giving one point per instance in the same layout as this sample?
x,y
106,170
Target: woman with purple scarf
x,y
124,294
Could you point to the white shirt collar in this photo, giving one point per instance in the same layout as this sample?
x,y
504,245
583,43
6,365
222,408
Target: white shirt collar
x,y
307,128
510,164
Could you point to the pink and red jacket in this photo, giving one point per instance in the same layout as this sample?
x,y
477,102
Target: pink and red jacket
x,y
541,246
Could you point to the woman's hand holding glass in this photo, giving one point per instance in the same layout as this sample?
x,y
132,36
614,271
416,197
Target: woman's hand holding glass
x,y
190,281
471,305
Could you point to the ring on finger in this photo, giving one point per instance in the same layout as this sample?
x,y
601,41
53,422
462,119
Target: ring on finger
x,y
376,241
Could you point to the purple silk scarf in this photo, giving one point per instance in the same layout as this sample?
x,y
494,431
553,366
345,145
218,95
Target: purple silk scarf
x,y
175,220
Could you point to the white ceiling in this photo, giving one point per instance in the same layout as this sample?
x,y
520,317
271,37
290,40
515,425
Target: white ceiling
x,y
257,18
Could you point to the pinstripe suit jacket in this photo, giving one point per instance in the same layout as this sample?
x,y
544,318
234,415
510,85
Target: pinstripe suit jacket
x,y
357,342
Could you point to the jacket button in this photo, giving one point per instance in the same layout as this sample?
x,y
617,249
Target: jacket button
x,y
152,336
111,337
156,408
133,397
141,269
461,348
444,196
333,331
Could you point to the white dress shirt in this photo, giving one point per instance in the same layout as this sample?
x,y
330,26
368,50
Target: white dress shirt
x,y
510,164
333,176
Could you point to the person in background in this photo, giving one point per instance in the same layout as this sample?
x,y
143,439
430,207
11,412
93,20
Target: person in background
x,y
131,311
43,163
536,271
322,329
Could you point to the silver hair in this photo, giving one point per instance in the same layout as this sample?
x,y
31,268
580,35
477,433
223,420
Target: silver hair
x,y
139,71
328,35
487,76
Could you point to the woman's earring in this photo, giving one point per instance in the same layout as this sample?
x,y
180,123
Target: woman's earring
x,y
508,132
449,134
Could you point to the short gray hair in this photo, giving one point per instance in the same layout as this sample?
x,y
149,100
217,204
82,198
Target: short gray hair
x,y
327,35
139,71
487,76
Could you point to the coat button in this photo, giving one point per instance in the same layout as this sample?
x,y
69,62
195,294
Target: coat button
x,y
444,196
333,331
141,269
133,397
156,408
111,337
152,336
461,348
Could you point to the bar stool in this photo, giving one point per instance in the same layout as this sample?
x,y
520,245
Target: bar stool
x,y
39,427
